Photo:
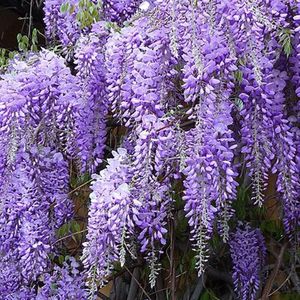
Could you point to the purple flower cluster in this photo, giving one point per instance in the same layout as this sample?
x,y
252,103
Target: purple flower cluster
x,y
63,18
152,170
91,113
131,193
36,107
139,66
110,218
120,10
62,25
34,204
64,282
248,251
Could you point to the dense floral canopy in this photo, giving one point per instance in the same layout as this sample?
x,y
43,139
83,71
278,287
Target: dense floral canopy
x,y
206,93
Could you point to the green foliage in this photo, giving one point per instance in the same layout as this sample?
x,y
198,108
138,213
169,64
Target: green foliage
x,y
113,26
80,180
61,259
25,43
88,12
273,228
285,35
5,56
208,295
68,229
238,76
241,202
65,7
34,40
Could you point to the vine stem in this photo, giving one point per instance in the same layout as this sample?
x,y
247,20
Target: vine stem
x,y
284,282
268,287
172,266
146,294
69,235
79,187
30,19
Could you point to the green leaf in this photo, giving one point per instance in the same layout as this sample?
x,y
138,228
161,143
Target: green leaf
x,y
25,40
238,76
205,296
63,230
272,227
285,41
61,259
19,37
12,54
22,46
239,103
34,48
241,201
72,9
64,7
75,227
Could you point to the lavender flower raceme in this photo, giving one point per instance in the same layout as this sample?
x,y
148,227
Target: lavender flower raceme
x,y
248,252
210,176
36,105
27,226
110,218
66,20
285,145
139,63
90,121
65,282
151,188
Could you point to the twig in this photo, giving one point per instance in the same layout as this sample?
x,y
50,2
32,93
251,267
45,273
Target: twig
x,y
284,282
146,294
172,262
120,273
30,19
270,281
158,291
79,187
133,285
102,296
198,289
68,236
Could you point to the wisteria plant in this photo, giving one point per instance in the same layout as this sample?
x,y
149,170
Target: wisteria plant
x,y
157,139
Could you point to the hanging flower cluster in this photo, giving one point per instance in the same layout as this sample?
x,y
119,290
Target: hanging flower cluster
x,y
200,89
91,120
110,217
248,252
65,282
37,108
66,20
